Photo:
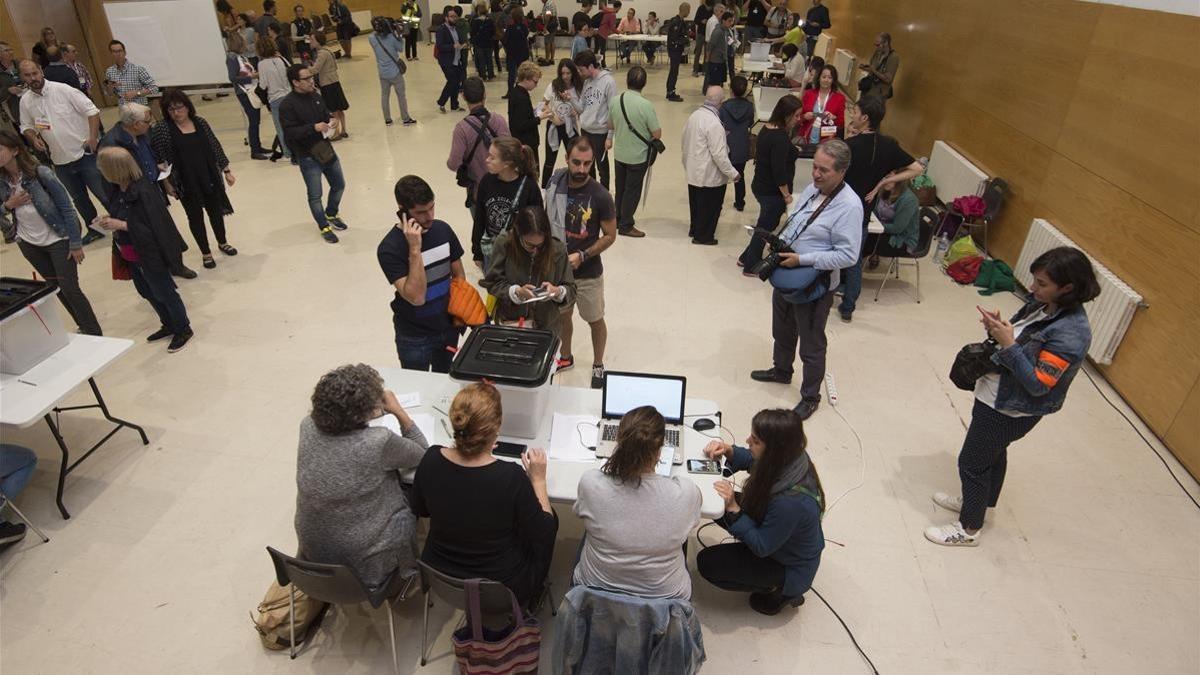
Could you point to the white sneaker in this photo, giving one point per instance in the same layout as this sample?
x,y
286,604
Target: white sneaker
x,y
951,535
947,502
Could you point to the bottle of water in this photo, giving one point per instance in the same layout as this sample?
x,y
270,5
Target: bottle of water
x,y
943,246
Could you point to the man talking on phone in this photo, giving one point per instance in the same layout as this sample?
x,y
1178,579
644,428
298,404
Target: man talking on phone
x,y
419,256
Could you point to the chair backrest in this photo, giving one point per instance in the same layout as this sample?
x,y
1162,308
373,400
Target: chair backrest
x,y
335,584
993,197
928,224
317,23
494,597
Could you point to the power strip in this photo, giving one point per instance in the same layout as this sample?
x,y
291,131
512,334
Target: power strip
x,y
831,389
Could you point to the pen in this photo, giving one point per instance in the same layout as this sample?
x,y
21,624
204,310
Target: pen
x,y
32,384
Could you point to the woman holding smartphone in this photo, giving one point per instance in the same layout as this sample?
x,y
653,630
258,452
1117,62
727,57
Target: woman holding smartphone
x,y
776,518
1039,351
529,274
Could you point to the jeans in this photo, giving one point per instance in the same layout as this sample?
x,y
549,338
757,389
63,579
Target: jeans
x,y
16,468
704,207
195,206
253,119
496,54
483,61
156,286
78,178
770,209
698,60
810,44
599,166
852,282
803,324
739,188
630,179
53,264
287,153
454,81
983,460
552,154
312,170
715,74
600,46
385,90
673,75
426,352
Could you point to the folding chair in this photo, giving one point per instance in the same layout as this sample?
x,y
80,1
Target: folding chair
x,y
5,501
928,225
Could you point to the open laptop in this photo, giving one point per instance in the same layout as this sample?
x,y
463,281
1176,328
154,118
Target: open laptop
x,y
625,391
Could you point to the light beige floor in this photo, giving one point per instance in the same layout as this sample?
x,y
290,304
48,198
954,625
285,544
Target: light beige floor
x,y
1091,563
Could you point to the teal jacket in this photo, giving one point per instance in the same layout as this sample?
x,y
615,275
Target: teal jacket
x,y
905,227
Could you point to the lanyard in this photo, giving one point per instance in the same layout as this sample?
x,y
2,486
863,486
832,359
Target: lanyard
x,y
815,214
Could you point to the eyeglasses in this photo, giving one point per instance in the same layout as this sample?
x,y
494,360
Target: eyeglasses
x,y
305,79
532,247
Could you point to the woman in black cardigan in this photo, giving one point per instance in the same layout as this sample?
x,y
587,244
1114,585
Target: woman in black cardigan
x,y
199,169
522,122
146,239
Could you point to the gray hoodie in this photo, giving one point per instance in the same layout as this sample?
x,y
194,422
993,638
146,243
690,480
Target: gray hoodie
x,y
598,93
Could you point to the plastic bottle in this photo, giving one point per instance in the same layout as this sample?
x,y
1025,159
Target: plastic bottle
x,y
942,247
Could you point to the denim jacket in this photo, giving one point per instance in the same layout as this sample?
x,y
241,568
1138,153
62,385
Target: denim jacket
x,y
52,202
1037,370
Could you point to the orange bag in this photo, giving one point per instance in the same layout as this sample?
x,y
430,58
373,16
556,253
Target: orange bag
x,y
466,307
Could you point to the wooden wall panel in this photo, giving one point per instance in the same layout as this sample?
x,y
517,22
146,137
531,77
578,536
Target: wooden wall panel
x,y
1092,113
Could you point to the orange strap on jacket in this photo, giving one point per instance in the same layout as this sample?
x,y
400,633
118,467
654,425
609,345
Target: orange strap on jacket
x,y
1050,367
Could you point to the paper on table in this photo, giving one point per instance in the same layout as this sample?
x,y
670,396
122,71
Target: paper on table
x,y
409,400
566,433
665,457
424,423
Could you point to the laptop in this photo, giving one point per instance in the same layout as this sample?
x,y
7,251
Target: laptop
x,y
625,391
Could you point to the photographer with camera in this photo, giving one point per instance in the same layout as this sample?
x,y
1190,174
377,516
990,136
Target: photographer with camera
x,y
823,234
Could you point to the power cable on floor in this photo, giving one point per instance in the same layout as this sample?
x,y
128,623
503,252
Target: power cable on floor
x,y
848,631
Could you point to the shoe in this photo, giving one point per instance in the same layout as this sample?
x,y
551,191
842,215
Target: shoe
x,y
11,533
227,249
183,272
598,376
739,207
442,109
675,98
805,408
159,334
179,341
947,502
336,222
710,242
951,535
847,317
275,156
91,236
329,235
387,123
208,262
343,136
504,97
259,155
408,122
770,375
772,602
565,364
873,262
740,264
631,232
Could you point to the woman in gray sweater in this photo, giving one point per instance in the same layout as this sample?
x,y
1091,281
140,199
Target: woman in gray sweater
x,y
350,509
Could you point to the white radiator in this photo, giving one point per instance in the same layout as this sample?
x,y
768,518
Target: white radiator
x,y
1109,314
845,60
953,175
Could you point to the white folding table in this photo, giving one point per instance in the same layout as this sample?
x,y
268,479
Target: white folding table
x,y
562,476
34,395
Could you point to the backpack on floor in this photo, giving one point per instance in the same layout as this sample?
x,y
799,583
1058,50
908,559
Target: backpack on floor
x,y
272,620
965,270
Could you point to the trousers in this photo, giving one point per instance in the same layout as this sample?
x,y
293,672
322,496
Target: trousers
x,y
156,286
53,264
600,166
312,170
253,120
734,567
80,177
283,146
803,325
676,58
704,210
630,180
385,90
426,352
552,154
195,206
454,81
983,460
16,468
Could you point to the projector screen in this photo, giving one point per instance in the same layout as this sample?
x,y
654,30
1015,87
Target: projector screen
x,y
178,41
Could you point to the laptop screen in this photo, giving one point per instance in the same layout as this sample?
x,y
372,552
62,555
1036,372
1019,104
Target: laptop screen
x,y
625,391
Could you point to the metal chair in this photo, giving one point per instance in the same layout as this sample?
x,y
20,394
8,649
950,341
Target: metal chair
x,y
928,225
337,585
993,195
5,501
494,598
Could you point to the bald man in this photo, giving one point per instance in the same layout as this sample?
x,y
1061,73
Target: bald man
x,y
706,163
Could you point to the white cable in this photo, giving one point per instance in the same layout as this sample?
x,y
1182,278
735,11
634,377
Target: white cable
x,y
831,390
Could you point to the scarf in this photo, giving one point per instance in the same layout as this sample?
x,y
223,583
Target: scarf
x,y
796,474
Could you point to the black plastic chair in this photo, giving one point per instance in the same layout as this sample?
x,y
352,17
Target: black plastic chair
x,y
928,224
337,585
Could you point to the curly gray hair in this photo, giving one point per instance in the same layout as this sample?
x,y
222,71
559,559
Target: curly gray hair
x,y
346,397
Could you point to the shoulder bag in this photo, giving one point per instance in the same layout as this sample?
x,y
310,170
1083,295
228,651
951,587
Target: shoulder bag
x,y
802,285
463,175
654,147
399,62
480,650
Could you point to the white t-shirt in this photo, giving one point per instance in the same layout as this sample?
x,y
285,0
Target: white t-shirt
x,y
60,115
31,227
987,388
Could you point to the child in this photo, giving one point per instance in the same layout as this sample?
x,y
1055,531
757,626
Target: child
x,y
737,116
583,33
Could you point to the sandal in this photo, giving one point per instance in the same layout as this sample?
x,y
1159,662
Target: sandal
x,y
208,261
227,249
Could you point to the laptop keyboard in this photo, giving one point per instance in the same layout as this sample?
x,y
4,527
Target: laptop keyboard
x,y
672,438
610,434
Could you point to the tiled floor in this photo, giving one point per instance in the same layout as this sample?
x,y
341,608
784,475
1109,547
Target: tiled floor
x,y
1090,564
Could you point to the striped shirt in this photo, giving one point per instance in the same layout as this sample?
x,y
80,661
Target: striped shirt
x,y
131,78
440,248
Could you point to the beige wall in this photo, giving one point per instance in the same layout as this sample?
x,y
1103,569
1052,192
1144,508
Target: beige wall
x,y
1092,113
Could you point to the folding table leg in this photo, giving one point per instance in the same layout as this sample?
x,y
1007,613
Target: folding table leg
x,y
63,468
110,418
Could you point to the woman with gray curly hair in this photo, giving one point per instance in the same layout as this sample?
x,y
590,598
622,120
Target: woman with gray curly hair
x,y
350,509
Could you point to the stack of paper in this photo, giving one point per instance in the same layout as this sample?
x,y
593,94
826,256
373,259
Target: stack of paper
x,y
573,438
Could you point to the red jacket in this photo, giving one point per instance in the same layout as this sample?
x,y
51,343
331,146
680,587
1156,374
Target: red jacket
x,y
836,106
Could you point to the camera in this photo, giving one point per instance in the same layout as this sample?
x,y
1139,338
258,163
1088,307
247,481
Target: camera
x,y
765,267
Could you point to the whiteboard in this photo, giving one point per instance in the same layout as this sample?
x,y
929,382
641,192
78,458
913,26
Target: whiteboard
x,y
178,41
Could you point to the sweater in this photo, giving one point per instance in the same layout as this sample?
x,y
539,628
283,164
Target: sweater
x,y
350,509
299,115
598,93
521,121
737,116
905,225
774,162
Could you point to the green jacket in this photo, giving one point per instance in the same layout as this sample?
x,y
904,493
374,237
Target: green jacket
x,y
505,271
905,228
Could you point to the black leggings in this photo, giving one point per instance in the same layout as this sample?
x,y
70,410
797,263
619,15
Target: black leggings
x,y
734,567
552,154
195,206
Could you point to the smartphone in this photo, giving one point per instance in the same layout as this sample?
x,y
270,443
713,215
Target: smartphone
x,y
705,466
539,292
506,449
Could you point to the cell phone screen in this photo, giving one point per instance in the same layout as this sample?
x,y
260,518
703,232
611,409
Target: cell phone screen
x,y
706,466
506,449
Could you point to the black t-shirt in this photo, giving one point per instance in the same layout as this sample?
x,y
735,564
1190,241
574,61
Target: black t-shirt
x,y
757,14
496,205
873,156
480,518
580,19
819,15
587,207
774,162
439,248
703,12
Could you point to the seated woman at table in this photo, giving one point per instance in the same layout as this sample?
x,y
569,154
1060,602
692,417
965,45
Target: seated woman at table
x,y
899,212
350,509
488,519
824,108
636,521
776,518
526,260
793,67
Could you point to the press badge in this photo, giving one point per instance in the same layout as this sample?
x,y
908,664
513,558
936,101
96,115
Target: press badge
x,y
42,123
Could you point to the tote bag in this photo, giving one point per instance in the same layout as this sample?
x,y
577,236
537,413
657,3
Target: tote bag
x,y
480,650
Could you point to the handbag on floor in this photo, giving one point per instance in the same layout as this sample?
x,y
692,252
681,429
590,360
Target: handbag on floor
x,y
480,650
272,621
